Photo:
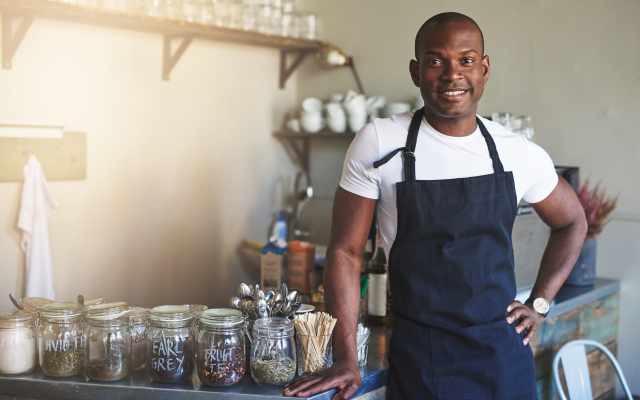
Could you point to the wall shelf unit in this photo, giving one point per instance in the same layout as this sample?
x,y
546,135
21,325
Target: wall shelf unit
x,y
298,145
27,10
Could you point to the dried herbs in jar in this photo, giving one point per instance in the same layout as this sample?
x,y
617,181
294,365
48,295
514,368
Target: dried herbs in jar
x,y
61,341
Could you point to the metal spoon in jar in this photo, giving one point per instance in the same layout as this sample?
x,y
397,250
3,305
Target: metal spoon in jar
x,y
233,302
243,290
293,296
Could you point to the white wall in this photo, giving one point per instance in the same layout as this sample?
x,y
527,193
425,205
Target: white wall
x,y
178,172
572,65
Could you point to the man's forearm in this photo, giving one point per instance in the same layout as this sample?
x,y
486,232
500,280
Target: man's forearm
x,y
559,257
342,300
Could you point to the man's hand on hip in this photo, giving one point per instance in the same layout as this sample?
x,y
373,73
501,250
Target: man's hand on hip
x,y
343,375
529,319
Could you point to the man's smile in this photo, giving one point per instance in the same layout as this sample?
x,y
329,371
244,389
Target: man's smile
x,y
453,94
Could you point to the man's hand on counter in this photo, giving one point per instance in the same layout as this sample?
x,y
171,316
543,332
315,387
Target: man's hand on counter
x,y
343,375
529,319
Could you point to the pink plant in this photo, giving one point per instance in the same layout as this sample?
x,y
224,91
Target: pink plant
x,y
596,208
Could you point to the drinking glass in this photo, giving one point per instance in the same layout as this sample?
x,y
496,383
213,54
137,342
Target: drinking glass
x,y
172,9
221,13
308,26
235,14
249,15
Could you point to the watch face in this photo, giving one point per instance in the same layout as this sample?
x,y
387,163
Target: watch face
x,y
541,305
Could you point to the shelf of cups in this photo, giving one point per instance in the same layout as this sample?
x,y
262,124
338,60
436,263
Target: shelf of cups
x,y
24,11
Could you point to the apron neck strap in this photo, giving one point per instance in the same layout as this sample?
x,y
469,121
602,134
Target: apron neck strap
x,y
493,153
409,157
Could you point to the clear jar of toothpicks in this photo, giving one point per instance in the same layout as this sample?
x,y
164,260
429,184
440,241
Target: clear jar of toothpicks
x,y
314,347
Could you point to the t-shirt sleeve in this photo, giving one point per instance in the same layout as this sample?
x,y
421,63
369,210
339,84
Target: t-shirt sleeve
x,y
358,175
543,176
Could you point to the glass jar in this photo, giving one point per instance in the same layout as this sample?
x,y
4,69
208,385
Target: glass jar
x,y
273,351
61,344
138,317
196,310
17,342
93,302
108,341
221,347
170,344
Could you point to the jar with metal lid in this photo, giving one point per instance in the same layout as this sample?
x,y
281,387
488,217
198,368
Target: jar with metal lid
x,y
273,351
221,347
17,342
93,302
170,344
139,318
61,343
108,341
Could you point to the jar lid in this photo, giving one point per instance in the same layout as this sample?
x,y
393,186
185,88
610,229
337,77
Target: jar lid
x,y
170,313
93,302
196,307
16,319
274,327
108,310
137,312
33,304
61,310
222,317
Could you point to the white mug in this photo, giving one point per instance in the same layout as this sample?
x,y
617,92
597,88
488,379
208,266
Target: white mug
x,y
337,118
293,124
312,122
312,105
357,120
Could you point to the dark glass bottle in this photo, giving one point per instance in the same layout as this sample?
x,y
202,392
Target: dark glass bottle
x,y
377,296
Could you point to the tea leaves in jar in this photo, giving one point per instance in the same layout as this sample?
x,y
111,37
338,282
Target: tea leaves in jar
x,y
61,339
221,366
170,344
221,352
109,369
277,369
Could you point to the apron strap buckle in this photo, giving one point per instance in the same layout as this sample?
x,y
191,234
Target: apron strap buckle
x,y
408,153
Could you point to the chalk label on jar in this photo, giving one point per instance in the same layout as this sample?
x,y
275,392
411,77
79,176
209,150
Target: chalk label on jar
x,y
64,344
172,359
218,358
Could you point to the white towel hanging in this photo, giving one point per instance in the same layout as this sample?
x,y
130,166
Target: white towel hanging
x,y
36,206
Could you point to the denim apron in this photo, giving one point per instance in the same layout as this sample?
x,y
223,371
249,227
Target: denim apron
x,y
452,278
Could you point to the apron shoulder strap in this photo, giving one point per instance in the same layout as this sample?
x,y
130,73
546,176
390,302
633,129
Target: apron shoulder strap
x,y
493,153
408,155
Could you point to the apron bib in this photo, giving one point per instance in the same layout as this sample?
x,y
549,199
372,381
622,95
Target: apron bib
x,y
452,277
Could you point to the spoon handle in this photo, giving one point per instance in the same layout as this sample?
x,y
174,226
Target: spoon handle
x,y
81,299
15,302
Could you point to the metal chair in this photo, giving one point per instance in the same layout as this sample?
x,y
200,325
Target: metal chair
x,y
576,370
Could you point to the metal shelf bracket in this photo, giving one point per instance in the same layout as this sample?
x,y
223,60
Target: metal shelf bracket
x,y
10,40
285,72
169,60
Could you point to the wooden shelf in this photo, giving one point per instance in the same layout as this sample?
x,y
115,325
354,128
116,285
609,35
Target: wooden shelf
x,y
171,29
298,145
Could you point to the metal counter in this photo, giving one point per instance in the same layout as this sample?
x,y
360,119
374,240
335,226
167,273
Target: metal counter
x,y
138,384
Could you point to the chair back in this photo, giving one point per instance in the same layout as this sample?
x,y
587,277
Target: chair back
x,y
576,370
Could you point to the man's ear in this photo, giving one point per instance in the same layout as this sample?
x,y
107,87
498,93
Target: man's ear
x,y
486,68
414,70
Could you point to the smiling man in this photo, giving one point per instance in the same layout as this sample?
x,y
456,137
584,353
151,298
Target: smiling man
x,y
446,184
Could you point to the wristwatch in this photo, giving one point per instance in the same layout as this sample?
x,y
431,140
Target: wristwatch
x,y
539,304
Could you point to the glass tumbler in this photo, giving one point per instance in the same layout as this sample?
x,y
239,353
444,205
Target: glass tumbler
x,y
108,342
314,353
273,351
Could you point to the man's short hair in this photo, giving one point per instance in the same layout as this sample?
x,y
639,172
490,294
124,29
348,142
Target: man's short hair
x,y
445,17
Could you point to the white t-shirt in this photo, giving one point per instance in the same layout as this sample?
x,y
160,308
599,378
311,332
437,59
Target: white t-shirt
x,y
438,157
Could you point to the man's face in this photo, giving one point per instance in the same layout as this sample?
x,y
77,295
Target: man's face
x,y
451,72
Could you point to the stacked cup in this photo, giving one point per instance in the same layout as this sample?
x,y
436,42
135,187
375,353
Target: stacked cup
x,y
356,107
311,115
336,116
